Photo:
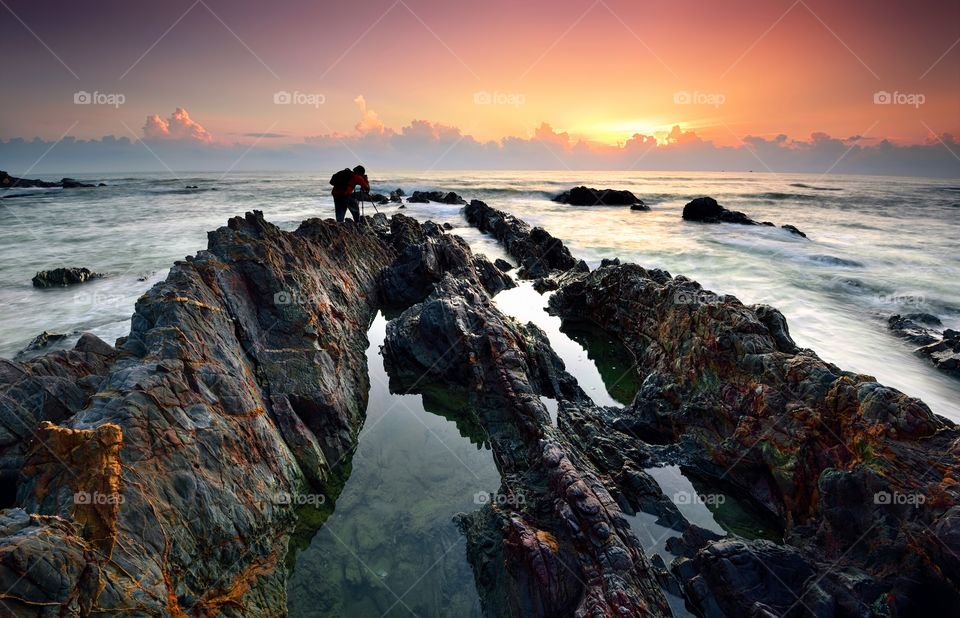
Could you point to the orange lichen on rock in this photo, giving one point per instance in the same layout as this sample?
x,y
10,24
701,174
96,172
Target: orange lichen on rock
x,y
88,462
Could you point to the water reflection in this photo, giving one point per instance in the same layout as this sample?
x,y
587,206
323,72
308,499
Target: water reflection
x,y
390,546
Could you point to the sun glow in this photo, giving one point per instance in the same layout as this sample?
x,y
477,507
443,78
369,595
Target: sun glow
x,y
617,132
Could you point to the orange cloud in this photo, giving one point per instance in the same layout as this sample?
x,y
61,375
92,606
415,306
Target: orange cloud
x,y
369,122
179,126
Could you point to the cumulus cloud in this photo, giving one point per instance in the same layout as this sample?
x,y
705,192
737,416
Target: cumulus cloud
x,y
369,121
422,144
179,126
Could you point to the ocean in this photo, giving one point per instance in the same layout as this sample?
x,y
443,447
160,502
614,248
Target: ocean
x,y
877,246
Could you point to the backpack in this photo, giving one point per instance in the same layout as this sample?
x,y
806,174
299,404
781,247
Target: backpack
x,y
341,180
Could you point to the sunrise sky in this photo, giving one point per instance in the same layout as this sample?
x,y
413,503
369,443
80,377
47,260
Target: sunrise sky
x,y
599,71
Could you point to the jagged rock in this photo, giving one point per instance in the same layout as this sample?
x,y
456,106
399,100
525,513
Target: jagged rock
x,y
707,210
921,329
70,183
43,340
426,254
537,251
610,262
795,435
9,182
423,197
503,265
793,230
944,354
914,327
584,196
63,277
52,388
545,284
566,549
244,375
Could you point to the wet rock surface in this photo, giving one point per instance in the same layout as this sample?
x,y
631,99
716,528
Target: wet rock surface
x,y
707,210
147,478
557,530
537,251
586,196
154,490
11,182
424,197
938,345
828,453
62,277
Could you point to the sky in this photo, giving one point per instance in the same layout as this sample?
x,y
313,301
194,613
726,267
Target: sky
x,y
766,84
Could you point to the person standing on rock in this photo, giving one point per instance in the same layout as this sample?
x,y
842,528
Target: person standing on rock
x,y
344,182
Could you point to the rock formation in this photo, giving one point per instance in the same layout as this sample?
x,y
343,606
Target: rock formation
x,y
585,196
61,277
154,478
423,197
9,182
938,345
707,210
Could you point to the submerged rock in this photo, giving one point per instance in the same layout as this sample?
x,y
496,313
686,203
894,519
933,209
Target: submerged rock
x,y
793,230
915,327
584,196
939,346
41,342
707,210
9,182
944,354
61,277
423,197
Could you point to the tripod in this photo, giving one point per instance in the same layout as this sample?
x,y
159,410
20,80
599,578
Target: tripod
x,y
358,195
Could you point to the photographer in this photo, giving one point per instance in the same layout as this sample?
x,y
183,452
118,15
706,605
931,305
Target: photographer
x,y
344,182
